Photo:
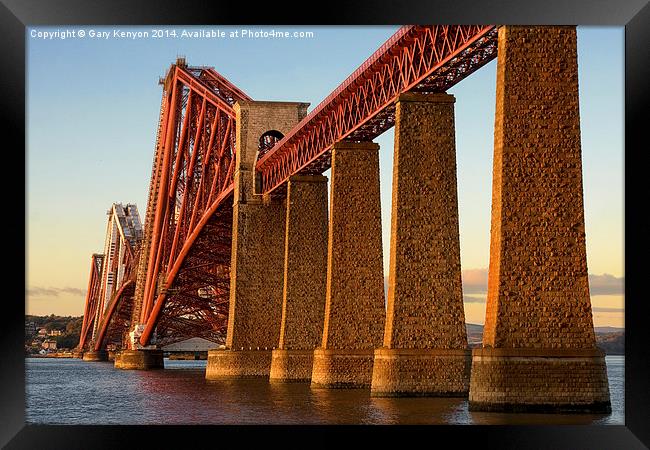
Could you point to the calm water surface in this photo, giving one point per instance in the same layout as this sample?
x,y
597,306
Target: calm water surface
x,y
71,391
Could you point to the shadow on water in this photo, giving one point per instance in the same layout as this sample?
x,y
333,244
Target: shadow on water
x,y
72,391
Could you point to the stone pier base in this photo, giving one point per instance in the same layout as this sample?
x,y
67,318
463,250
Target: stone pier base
x,y
111,355
78,354
421,373
237,364
335,368
139,359
101,355
539,380
291,365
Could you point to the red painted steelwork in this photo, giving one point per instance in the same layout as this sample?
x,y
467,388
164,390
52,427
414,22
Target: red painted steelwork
x,y
122,295
116,316
92,298
204,261
415,59
196,177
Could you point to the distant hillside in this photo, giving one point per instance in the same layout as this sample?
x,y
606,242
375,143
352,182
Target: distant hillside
x,y
610,339
67,329
612,343
608,329
474,335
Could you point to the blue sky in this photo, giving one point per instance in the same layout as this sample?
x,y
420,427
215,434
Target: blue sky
x,y
92,109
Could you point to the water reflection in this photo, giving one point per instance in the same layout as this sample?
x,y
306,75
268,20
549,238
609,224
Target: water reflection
x,y
494,418
421,410
343,406
75,392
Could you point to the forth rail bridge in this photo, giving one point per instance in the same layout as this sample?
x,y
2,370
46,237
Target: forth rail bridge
x,y
240,247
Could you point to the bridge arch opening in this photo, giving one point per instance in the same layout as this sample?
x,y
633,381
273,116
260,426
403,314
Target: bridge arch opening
x,y
268,139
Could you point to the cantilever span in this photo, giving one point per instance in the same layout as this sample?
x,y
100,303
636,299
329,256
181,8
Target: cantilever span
x,y
119,309
191,177
172,263
92,298
239,246
111,275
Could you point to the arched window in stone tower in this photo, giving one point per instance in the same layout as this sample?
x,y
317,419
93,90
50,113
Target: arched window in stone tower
x,y
267,141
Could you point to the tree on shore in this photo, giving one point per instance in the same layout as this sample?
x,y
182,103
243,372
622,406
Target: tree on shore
x,y
70,326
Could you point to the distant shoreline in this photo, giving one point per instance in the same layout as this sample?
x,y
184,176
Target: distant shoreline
x,y
51,355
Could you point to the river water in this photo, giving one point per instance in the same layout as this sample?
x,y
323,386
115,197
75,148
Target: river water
x,y
71,391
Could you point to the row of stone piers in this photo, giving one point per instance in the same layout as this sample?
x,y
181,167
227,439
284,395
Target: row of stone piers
x,y
307,299
307,290
326,318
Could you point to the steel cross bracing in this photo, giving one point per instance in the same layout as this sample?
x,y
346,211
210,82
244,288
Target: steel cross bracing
x,y
112,321
110,295
92,298
192,176
423,59
117,317
109,324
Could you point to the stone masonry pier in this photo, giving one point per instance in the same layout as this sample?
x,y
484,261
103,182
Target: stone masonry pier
x,y
354,306
100,355
539,350
425,344
139,359
305,279
258,245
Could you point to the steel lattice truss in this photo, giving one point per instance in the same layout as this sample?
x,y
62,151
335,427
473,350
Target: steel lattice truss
x,y
186,233
196,304
423,59
110,293
116,318
92,299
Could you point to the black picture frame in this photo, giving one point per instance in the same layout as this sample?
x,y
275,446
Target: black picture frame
x,y
16,15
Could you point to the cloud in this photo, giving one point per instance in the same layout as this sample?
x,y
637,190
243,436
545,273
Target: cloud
x,y
473,299
39,291
475,281
606,284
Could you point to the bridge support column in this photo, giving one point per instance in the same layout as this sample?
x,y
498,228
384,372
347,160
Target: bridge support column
x,y
425,349
258,240
100,355
354,307
539,351
257,267
305,279
139,359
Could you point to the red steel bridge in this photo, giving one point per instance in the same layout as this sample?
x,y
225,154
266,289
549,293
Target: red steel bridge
x,y
170,280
